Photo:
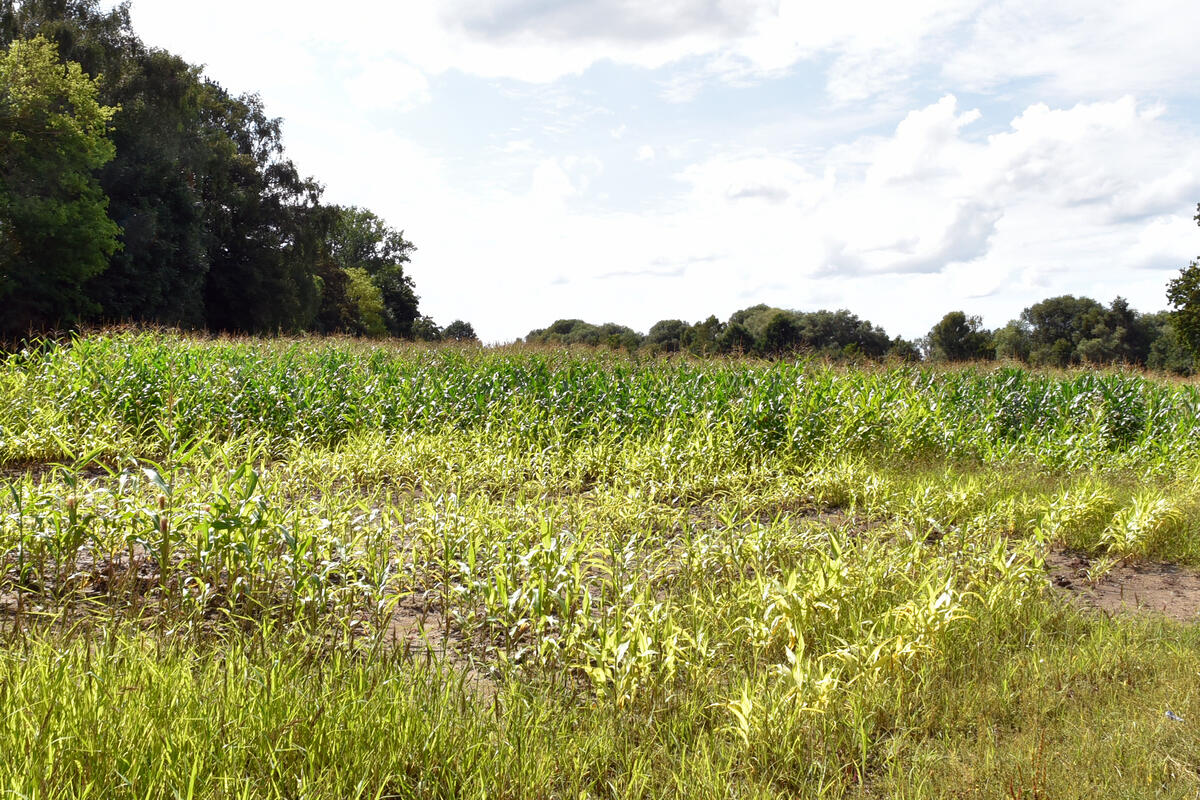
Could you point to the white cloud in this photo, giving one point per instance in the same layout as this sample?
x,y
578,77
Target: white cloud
x,y
645,153
1075,47
873,48
388,83
1084,190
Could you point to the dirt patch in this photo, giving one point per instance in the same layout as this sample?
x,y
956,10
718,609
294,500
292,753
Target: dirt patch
x,y
418,628
1138,587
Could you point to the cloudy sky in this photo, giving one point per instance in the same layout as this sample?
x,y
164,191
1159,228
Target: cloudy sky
x,y
627,161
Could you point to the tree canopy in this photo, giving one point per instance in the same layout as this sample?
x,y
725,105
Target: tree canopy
x,y
175,199
55,233
1183,292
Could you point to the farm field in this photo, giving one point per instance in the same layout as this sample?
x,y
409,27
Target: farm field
x,y
327,569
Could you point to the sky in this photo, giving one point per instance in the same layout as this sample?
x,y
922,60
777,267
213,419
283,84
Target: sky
x,y
629,161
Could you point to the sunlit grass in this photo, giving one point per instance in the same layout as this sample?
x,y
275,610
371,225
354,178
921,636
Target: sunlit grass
x,y
321,569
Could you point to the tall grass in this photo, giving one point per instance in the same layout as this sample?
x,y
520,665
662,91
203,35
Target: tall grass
x,y
320,569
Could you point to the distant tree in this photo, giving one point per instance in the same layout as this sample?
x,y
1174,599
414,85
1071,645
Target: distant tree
x,y
958,337
460,331
1168,351
164,146
576,331
904,350
837,333
265,223
1183,292
366,304
55,233
736,339
360,239
666,335
781,336
336,313
1056,327
1012,341
704,337
424,329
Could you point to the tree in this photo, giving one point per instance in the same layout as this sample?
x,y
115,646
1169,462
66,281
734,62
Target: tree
x,y
220,227
666,334
704,337
782,334
164,148
54,229
1056,326
1168,351
1184,294
359,239
460,331
265,224
367,303
958,337
424,329
736,339
903,350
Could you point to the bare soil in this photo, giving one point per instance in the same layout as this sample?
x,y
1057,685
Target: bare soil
x,y
1133,587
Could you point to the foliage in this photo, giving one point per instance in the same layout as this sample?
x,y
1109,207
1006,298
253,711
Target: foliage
x,y
220,228
958,337
1183,292
424,329
576,331
666,335
359,239
576,573
366,300
460,331
54,232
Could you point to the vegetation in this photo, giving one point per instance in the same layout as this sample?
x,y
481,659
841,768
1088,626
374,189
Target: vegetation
x,y
1057,332
322,569
54,233
156,196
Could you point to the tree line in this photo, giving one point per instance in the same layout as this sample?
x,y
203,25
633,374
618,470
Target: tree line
x,y
1057,332
135,189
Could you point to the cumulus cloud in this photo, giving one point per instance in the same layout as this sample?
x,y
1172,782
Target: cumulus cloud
x,y
872,49
1088,186
601,20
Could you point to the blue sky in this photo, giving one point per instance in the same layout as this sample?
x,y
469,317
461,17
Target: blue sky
x,y
625,161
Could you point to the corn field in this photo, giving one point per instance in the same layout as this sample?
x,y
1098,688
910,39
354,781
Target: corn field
x,y
314,568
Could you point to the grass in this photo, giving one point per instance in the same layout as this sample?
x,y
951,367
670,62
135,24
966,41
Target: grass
x,y
315,569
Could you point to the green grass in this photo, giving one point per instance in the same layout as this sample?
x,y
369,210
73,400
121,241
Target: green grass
x,y
315,568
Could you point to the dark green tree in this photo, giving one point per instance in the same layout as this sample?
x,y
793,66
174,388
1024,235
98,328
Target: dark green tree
x,y
781,336
665,335
1056,326
837,333
162,148
1012,341
1183,292
220,229
460,331
55,233
737,339
704,338
266,227
958,337
1168,351
424,329
903,350
360,239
